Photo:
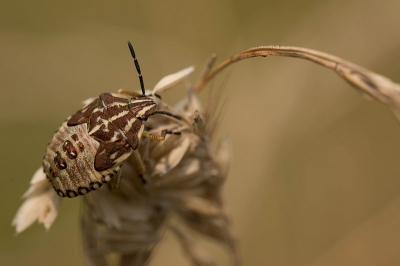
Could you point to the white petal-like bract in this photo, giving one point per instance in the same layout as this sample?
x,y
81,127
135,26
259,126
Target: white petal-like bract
x,y
170,81
41,204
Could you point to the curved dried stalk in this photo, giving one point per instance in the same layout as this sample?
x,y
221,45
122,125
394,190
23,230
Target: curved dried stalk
x,y
368,82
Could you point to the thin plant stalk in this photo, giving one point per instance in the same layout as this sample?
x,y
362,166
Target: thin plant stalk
x,y
368,82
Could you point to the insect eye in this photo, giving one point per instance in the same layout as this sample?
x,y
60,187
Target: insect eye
x,y
143,117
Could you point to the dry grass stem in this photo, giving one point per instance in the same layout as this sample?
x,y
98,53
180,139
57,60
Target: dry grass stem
x,y
372,84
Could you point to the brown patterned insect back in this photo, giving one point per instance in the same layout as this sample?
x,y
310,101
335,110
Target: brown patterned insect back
x,y
89,148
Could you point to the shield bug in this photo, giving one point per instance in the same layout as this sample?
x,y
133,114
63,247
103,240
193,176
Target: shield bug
x,y
87,151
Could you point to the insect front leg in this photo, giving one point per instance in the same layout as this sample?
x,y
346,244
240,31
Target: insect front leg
x,y
140,164
160,137
129,93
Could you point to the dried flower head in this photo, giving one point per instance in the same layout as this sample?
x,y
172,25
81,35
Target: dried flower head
x,y
184,178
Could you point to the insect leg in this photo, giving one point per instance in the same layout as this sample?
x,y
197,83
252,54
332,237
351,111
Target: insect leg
x,y
173,132
129,93
160,137
178,117
155,136
117,180
140,164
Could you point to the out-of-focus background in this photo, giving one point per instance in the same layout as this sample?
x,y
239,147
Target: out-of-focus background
x,y
315,178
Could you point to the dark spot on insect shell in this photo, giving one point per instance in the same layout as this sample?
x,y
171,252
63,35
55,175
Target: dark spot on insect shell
x,y
69,149
71,194
80,146
83,190
53,174
75,137
59,161
95,185
107,178
60,193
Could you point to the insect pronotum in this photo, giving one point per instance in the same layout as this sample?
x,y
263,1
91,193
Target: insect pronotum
x,y
89,148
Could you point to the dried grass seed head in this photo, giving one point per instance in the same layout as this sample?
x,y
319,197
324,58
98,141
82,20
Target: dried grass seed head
x,y
183,177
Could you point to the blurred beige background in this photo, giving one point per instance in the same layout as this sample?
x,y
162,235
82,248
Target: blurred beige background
x,y
315,172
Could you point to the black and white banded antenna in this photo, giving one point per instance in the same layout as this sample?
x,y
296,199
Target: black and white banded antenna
x,y
137,68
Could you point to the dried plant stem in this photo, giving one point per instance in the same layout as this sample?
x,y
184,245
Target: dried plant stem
x,y
375,85
208,66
